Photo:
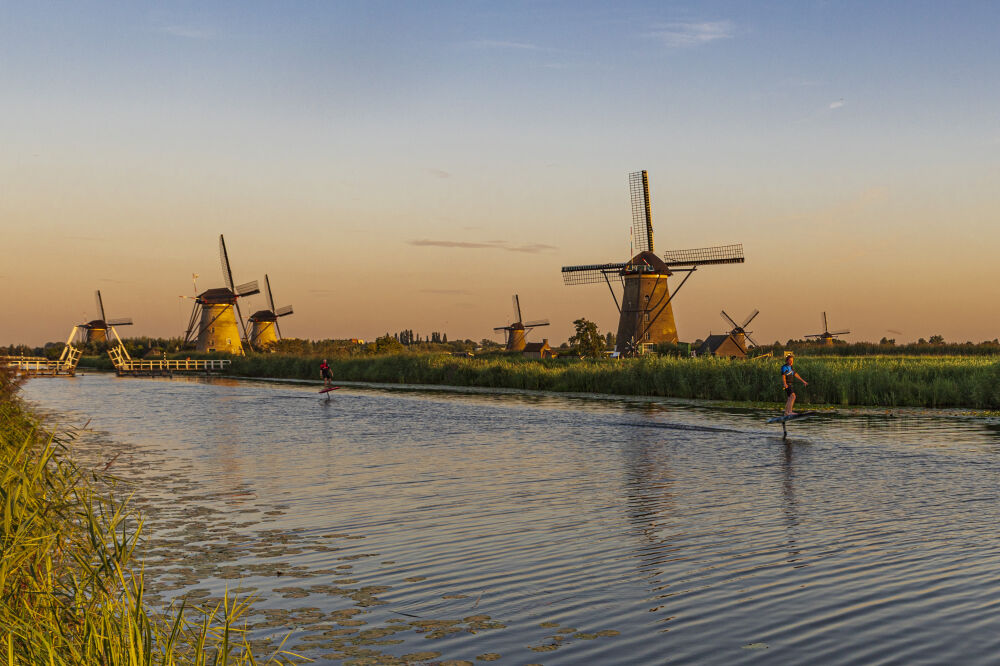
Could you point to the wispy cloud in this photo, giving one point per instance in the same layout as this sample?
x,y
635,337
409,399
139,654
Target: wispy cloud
x,y
682,34
531,248
189,32
440,173
504,44
447,292
839,103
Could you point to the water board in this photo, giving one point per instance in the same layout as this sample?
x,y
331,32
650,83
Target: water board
x,y
792,417
327,390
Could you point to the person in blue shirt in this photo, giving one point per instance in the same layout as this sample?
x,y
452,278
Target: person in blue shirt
x,y
788,374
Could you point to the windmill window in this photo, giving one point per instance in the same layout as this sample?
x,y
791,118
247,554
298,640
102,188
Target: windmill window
x,y
647,317
647,335
229,341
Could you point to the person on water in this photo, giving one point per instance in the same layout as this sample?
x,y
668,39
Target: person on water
x,y
788,374
326,374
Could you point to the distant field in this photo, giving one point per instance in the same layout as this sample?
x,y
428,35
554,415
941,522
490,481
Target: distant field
x,y
884,381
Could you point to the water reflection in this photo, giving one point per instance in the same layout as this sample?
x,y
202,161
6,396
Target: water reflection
x,y
538,528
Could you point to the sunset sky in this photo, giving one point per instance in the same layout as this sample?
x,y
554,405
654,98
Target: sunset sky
x,y
412,165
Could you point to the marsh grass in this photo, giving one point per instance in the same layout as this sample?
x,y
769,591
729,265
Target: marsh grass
x,y
69,593
882,381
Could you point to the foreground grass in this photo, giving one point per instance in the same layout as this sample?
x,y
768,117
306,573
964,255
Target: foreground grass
x,y
69,593
888,381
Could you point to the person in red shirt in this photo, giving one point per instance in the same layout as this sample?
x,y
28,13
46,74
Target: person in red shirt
x,y
326,374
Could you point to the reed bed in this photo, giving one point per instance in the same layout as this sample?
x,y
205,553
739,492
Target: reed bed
x,y
883,381
69,592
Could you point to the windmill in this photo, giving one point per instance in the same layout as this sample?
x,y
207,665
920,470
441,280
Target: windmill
x,y
826,337
646,316
264,329
739,331
517,330
213,318
97,329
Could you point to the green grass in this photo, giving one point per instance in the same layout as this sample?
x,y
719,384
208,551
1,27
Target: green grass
x,y
882,381
69,592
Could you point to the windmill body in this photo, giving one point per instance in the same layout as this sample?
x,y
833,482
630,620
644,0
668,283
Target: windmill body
x,y
97,329
216,321
217,327
264,329
646,315
827,337
516,332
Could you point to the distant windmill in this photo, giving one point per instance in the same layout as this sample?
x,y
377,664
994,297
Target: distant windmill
x,y
646,314
97,329
213,319
826,337
739,331
517,330
264,329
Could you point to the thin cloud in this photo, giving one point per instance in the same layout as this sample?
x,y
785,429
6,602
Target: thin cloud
x,y
189,32
440,173
503,44
839,103
531,248
448,292
686,34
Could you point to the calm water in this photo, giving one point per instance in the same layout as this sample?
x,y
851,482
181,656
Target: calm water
x,y
549,529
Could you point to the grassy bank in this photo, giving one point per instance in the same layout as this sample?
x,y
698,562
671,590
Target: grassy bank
x,y
69,592
941,381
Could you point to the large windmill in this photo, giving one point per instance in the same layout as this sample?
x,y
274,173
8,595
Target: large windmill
x,y
826,337
213,319
264,329
516,331
97,329
739,331
646,315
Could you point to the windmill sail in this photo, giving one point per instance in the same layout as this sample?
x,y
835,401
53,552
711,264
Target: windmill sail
x,y
642,214
719,254
100,305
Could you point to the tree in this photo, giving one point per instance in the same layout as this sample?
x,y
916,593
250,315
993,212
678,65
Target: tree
x,y
387,344
936,340
588,340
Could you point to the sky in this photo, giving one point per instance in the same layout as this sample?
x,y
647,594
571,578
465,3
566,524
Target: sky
x,y
400,165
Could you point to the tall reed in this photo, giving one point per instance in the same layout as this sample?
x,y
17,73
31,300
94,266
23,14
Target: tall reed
x,y
889,381
69,591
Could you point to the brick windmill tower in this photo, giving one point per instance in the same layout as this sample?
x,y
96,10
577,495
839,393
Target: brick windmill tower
x,y
515,332
97,329
264,329
646,315
213,324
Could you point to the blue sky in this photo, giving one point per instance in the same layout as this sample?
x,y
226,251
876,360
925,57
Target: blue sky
x,y
473,148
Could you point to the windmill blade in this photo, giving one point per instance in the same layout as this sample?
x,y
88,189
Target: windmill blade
x,y
750,318
642,214
247,288
719,254
590,274
839,332
195,311
227,271
814,335
123,321
502,328
826,328
277,329
517,308
730,320
100,304
283,312
750,340
536,323
270,298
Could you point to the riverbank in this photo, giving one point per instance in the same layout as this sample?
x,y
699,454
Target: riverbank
x,y
948,381
70,590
